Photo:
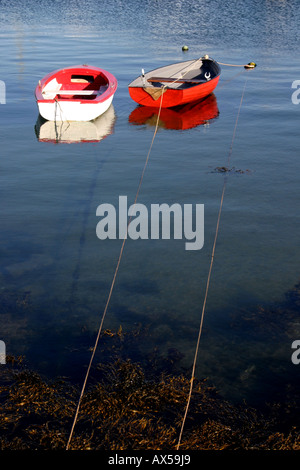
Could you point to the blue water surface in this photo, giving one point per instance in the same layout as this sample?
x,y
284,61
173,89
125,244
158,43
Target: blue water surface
x,y
51,258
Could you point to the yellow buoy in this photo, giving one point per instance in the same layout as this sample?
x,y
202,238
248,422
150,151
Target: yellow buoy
x,y
251,65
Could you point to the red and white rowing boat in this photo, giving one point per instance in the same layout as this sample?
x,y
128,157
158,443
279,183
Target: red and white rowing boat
x,y
177,84
78,93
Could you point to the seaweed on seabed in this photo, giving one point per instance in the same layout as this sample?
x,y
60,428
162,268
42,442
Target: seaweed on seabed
x,y
33,410
126,411
225,169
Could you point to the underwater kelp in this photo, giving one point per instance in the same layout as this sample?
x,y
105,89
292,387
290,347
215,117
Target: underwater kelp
x,y
126,411
135,401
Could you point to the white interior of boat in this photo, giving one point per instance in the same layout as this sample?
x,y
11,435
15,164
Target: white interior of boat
x,y
53,88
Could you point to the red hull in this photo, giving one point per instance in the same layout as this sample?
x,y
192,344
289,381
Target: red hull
x,y
172,98
176,84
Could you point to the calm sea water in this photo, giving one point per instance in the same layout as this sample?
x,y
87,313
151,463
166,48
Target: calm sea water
x,y
55,272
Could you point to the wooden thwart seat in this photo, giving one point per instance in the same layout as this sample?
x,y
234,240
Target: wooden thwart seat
x,y
72,92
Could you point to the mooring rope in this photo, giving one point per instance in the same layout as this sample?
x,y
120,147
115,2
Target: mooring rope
x,y
209,276
250,65
240,72
112,284
118,265
117,269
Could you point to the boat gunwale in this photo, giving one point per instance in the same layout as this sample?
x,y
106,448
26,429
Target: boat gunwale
x,y
149,84
110,79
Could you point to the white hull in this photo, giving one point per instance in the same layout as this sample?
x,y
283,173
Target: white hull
x,y
73,110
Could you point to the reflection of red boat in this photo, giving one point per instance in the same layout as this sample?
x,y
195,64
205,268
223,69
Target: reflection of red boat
x,y
180,117
178,84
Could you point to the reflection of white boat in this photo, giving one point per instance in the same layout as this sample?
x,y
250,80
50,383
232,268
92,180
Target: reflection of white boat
x,y
76,131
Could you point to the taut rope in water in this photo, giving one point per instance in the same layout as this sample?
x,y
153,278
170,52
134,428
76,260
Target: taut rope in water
x,y
250,65
112,286
209,276
116,270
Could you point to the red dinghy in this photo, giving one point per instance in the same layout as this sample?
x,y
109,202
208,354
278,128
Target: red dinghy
x,y
78,93
180,83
